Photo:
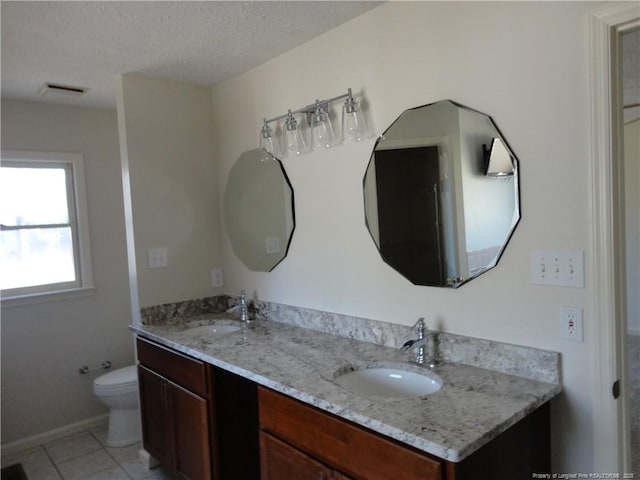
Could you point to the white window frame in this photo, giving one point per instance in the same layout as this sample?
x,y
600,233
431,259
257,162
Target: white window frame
x,y
73,163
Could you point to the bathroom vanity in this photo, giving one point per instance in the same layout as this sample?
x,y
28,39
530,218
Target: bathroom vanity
x,y
299,441
266,399
186,405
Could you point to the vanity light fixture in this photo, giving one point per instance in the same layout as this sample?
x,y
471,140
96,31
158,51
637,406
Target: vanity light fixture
x,y
267,142
319,122
322,135
353,126
294,143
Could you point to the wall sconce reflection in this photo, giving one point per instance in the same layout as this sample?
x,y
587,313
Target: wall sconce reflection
x,y
497,159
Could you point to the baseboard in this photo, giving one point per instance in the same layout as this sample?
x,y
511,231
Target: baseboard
x,y
12,448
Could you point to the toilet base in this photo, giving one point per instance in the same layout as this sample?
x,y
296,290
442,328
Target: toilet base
x,y
124,427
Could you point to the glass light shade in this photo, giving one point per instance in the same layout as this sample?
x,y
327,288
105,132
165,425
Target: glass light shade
x,y
322,135
294,143
268,142
353,126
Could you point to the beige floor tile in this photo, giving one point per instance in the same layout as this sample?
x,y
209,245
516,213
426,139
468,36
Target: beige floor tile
x,y
160,473
36,464
32,457
71,447
44,472
114,473
80,468
122,454
137,471
100,434
84,456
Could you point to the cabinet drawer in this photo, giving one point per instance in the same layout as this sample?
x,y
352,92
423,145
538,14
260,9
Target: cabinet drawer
x,y
344,446
180,369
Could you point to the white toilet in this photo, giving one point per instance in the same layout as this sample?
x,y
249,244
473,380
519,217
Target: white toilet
x,y
118,390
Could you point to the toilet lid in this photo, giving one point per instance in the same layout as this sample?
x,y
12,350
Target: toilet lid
x,y
120,377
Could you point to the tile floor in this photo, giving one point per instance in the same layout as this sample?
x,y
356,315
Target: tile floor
x,y
84,456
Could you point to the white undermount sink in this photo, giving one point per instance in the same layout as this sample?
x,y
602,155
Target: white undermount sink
x,y
213,331
390,382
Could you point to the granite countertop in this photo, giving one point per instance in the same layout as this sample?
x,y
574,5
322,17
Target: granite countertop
x,y
473,406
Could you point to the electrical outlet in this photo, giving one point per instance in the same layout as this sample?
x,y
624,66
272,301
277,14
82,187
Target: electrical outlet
x,y
157,257
216,278
571,324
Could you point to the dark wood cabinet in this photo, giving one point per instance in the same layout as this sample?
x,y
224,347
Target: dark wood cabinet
x,y
347,450
176,422
156,427
199,421
293,432
280,461
205,423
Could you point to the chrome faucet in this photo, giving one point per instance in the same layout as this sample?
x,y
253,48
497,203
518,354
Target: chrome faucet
x,y
242,306
419,344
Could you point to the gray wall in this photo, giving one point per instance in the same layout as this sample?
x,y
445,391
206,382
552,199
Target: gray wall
x,y
44,344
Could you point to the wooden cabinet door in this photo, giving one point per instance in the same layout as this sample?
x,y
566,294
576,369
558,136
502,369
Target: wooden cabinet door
x,y
346,447
191,433
280,461
340,476
156,424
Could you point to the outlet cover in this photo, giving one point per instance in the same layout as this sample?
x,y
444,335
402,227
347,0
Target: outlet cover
x,y
571,324
216,278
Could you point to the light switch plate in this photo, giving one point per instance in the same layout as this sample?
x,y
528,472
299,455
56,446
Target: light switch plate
x,y
558,268
272,245
157,257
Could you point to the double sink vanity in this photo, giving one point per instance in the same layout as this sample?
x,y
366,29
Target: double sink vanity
x,y
301,394
272,400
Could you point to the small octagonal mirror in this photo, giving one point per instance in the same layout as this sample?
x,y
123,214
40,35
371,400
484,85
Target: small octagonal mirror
x,y
258,210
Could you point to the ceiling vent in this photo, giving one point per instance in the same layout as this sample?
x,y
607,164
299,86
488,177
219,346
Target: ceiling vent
x,y
57,88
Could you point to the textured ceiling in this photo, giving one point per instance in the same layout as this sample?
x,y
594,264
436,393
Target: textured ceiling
x,y
86,43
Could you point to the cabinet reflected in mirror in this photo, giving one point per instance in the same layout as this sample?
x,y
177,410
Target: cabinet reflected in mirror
x,y
441,194
258,210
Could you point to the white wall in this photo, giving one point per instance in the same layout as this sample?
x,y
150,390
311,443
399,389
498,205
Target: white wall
x,y
168,147
44,344
522,63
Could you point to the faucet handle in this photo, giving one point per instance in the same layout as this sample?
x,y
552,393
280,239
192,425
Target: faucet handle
x,y
407,345
420,328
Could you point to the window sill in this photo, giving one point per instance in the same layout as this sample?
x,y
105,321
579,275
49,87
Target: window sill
x,y
45,297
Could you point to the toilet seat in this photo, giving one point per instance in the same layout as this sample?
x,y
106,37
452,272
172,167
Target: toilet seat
x,y
122,380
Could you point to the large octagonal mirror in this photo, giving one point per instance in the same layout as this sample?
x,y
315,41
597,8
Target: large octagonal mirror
x,y
441,194
258,210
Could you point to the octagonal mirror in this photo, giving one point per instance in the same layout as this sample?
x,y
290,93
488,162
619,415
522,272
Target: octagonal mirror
x,y
441,194
258,210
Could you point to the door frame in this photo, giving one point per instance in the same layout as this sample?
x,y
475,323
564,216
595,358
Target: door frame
x,y
611,443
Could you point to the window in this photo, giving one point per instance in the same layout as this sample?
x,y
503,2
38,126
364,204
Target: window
x,y
44,241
